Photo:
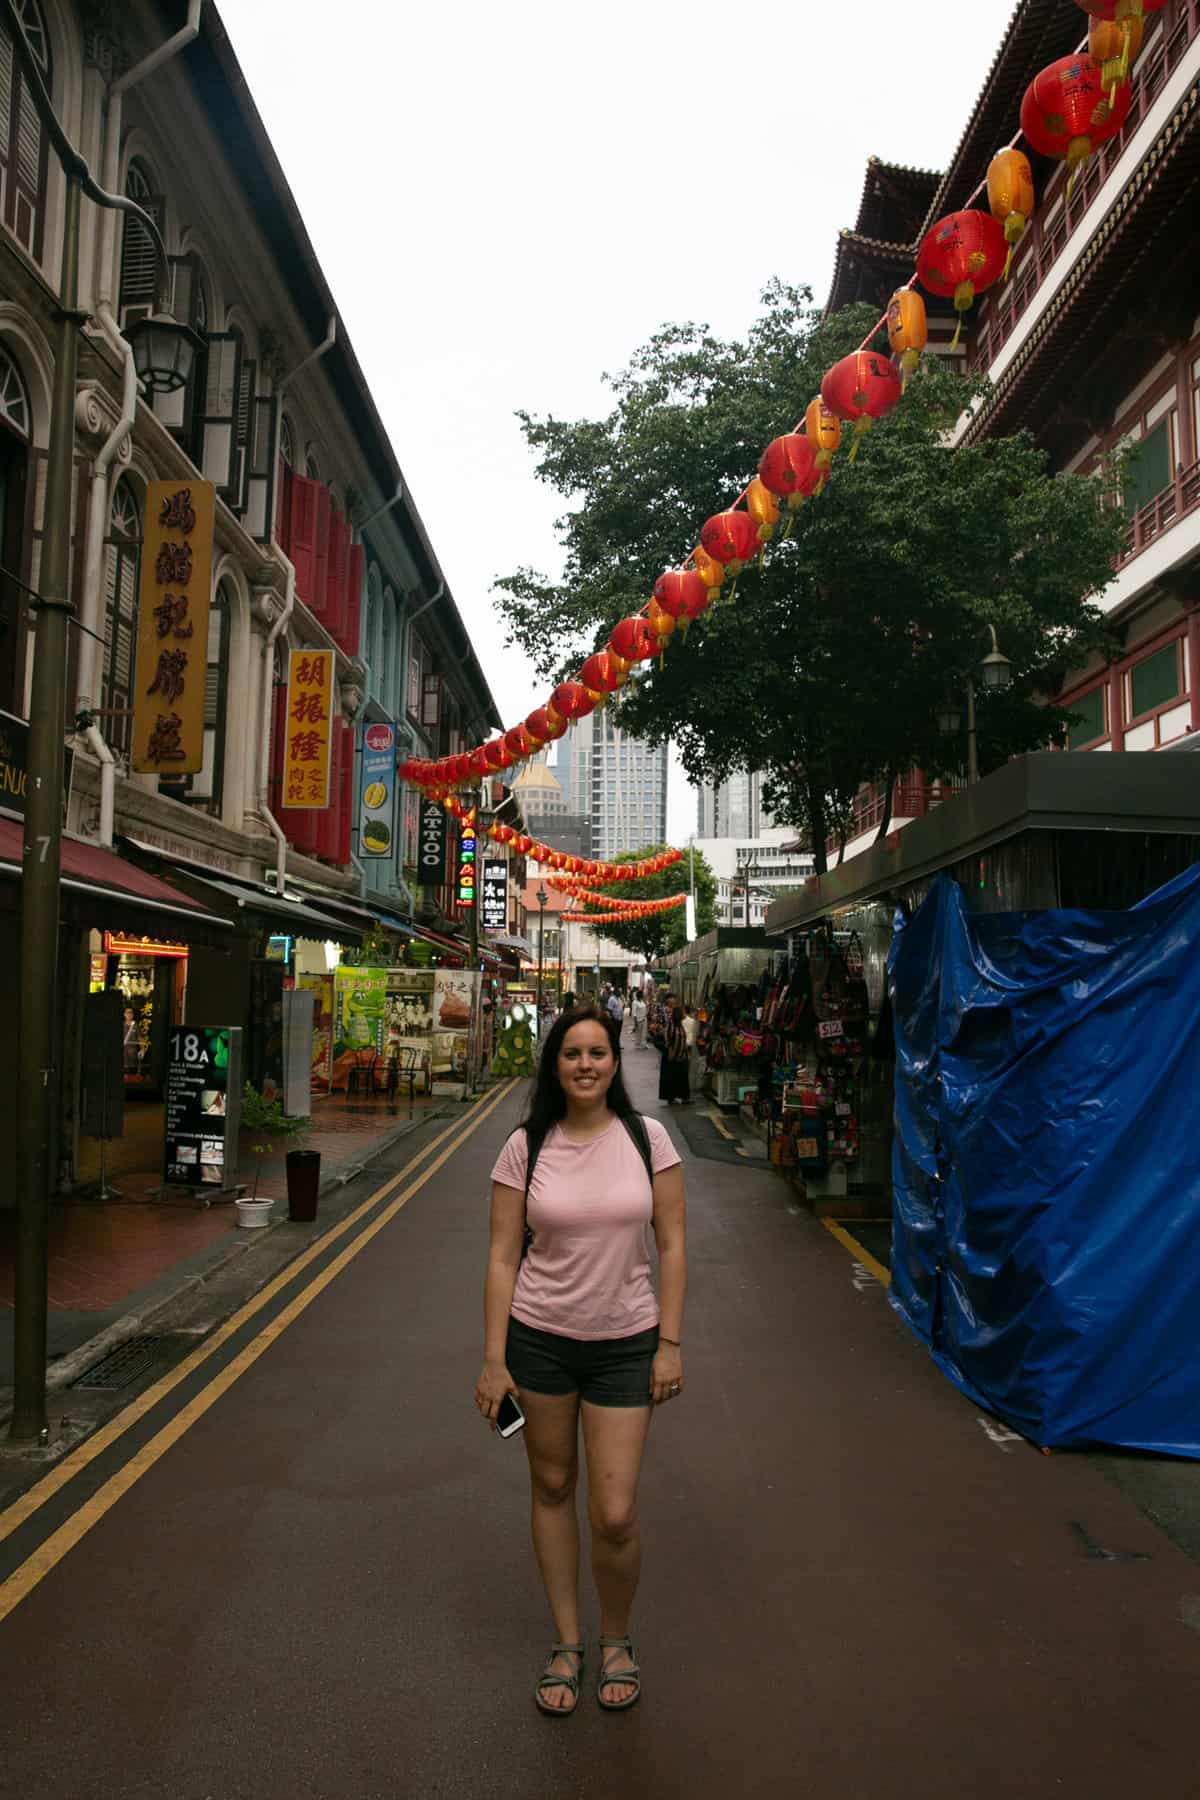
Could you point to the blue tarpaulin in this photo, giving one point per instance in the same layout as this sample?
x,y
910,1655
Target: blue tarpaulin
x,y
1046,1234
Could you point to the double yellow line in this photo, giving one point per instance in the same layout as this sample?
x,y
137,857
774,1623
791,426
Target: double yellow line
x,y
50,1553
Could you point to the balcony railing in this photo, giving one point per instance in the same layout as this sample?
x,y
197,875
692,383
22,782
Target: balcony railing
x,y
912,798
1002,310
1158,515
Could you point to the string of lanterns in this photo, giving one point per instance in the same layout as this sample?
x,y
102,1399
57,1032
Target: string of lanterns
x,y
557,859
1069,110
617,905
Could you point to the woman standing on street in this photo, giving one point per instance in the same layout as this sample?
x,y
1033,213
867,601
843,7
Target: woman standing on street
x,y
576,1330
673,1084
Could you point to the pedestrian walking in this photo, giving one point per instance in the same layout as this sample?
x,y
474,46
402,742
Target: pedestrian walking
x,y
673,1075
616,1007
691,1031
577,1333
640,1012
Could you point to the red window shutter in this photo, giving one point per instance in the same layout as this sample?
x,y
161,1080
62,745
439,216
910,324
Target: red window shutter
x,y
335,580
316,596
302,532
283,520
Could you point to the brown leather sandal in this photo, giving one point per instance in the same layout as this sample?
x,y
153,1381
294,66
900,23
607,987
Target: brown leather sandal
x,y
631,1677
566,1681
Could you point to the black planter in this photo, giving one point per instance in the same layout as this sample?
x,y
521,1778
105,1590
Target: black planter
x,y
303,1184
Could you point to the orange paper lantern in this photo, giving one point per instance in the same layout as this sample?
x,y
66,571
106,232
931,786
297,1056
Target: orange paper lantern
x,y
1011,196
908,329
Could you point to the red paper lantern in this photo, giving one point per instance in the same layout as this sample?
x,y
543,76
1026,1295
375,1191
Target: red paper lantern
x,y
522,845
678,591
571,700
544,726
477,762
861,388
603,673
1067,112
497,755
504,834
788,466
633,640
518,744
732,538
962,256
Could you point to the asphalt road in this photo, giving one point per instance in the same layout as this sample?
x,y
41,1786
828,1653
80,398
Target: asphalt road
x,y
323,1585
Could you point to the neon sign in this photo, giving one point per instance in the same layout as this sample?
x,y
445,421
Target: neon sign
x,y
468,847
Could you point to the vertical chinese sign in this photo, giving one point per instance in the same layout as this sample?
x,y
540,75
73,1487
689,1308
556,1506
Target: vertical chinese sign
x,y
172,642
309,741
468,846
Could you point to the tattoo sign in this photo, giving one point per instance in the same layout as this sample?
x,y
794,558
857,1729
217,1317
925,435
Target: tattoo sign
x,y
170,671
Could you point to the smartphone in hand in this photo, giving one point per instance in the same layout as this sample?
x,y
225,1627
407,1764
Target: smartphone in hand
x,y
510,1418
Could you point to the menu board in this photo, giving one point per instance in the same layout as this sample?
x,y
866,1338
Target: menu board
x,y
494,905
203,1093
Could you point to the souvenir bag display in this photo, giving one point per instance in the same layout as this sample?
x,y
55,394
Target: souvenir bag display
x,y
841,1006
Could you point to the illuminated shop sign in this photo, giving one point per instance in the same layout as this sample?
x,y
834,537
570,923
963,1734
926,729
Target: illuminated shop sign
x,y
468,846
117,944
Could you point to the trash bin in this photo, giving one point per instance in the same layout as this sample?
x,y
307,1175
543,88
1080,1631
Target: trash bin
x,y
303,1184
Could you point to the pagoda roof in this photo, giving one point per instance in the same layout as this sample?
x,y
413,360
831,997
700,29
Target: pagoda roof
x,y
895,201
866,268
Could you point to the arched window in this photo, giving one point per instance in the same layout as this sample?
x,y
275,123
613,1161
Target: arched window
x,y
204,788
23,150
139,258
120,615
312,467
15,422
287,442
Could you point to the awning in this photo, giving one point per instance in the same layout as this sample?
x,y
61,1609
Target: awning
x,y
506,940
272,910
98,873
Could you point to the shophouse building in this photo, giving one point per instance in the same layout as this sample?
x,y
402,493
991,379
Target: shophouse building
x,y
197,895
1092,346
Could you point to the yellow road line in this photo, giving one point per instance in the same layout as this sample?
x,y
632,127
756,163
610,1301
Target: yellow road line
x,y
65,1471
722,1127
858,1251
49,1554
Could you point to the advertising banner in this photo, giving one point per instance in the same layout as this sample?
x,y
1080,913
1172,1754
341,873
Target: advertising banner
x,y
14,765
170,670
308,742
359,1010
431,845
203,1095
494,905
377,791
321,988
455,994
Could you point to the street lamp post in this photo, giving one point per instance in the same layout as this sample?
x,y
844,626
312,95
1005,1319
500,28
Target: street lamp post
x,y
541,897
995,672
41,875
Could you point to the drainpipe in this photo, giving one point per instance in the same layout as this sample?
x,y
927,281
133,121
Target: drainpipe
x,y
87,693
264,743
285,382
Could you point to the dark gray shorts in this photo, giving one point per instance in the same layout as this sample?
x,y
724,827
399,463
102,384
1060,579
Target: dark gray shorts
x,y
604,1371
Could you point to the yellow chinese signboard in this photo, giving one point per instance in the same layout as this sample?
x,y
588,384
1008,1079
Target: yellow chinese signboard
x,y
172,644
308,736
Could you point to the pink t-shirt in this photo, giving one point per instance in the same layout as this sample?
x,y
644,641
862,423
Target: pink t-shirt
x,y
587,1272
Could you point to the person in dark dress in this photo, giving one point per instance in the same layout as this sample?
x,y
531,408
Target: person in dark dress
x,y
673,1077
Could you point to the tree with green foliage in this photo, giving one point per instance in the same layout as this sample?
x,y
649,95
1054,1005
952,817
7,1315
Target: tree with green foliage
x,y
827,666
662,932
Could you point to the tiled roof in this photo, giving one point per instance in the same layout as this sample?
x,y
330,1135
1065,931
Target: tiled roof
x,y
895,199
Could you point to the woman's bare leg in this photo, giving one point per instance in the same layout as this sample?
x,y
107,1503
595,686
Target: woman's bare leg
x,y
614,1439
552,1445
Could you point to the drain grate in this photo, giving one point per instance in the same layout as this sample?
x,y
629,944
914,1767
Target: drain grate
x,y
121,1366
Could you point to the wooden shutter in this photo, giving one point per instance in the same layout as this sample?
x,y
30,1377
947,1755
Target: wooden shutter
x,y
23,152
317,593
260,459
222,388
139,261
335,575
431,701
243,426
302,530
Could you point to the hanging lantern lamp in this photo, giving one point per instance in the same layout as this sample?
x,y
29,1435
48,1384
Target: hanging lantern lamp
x,y
633,640
763,508
962,255
823,429
570,700
477,762
710,571
603,673
544,725
1067,112
1011,196
678,591
860,389
1117,51
660,622
519,744
788,468
908,330
497,755
732,538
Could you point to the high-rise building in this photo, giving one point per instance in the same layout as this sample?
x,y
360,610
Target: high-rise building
x,y
546,808
733,807
628,786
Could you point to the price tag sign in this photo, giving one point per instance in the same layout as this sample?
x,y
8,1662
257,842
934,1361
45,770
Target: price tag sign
x,y
203,1095
830,1028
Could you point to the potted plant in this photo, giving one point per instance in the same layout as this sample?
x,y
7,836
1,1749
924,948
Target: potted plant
x,y
270,1126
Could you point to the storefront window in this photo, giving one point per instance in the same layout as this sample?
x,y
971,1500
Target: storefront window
x,y
1154,682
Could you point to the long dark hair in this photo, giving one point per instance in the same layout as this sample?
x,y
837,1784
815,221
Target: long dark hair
x,y
548,1104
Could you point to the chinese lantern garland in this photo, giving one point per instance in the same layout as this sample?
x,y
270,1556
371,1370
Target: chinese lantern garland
x,y
1069,110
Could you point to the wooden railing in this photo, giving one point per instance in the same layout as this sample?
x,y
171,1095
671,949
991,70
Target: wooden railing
x,y
912,798
1043,244
1158,515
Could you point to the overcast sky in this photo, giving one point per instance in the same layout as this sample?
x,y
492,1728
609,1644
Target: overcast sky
x,y
507,201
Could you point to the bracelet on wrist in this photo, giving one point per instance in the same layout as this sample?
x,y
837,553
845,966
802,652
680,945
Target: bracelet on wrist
x,y
675,1343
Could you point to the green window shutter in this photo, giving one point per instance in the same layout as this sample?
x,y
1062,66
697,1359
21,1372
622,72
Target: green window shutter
x,y
1091,718
1149,470
1154,682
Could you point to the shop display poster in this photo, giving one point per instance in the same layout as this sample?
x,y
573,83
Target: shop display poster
x,y
454,1001
377,791
494,904
203,1105
359,1007
321,988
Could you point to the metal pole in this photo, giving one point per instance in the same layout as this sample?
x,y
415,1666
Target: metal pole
x,y
41,870
972,740
541,945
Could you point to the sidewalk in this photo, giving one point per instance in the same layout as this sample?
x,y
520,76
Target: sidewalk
x,y
109,1259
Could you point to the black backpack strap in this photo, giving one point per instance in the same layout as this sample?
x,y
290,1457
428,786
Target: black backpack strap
x,y
533,1149
635,1125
